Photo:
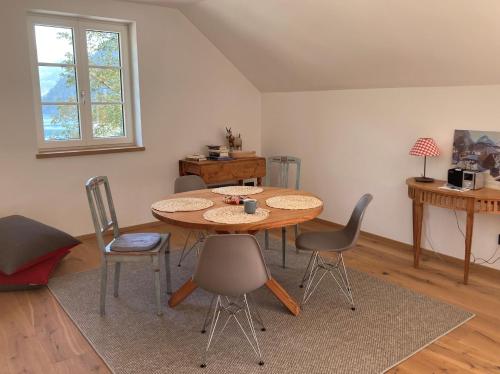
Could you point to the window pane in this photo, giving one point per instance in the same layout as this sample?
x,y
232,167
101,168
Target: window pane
x,y
105,85
60,122
54,44
103,48
57,84
107,120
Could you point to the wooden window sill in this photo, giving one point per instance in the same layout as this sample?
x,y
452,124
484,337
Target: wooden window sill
x,y
89,151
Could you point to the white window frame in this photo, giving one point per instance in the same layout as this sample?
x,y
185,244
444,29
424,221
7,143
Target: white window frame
x,y
80,26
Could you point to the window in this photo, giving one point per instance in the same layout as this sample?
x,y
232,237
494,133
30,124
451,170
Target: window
x,y
82,83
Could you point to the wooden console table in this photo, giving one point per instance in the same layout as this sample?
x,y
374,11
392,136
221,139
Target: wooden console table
x,y
485,200
223,171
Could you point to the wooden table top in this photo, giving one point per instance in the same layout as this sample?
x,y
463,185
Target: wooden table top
x,y
277,217
482,194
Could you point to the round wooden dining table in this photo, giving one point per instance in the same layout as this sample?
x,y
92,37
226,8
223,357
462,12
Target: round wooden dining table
x,y
278,218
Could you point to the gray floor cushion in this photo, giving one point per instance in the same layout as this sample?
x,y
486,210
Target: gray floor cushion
x,y
24,242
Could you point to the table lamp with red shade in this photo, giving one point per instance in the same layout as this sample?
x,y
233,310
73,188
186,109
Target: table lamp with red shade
x,y
425,147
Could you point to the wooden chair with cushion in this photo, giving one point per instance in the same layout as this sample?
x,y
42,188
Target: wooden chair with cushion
x,y
283,163
188,183
137,247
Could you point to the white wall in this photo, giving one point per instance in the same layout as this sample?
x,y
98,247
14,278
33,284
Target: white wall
x,y
351,141
357,141
189,92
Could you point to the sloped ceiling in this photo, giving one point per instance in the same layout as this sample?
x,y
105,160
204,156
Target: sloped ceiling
x,y
297,45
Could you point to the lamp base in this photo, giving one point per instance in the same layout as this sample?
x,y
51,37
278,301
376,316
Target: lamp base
x,y
424,179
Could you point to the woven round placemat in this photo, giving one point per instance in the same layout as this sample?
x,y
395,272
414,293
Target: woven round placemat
x,y
234,215
238,190
182,204
294,202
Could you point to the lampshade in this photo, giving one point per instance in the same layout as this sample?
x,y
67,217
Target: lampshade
x,y
425,147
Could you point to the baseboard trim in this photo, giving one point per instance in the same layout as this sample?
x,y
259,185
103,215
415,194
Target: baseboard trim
x,y
364,234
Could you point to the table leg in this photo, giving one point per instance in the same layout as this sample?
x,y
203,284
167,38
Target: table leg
x,y
418,214
283,296
468,240
183,292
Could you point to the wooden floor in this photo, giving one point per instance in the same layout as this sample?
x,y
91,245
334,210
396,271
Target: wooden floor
x,y
36,336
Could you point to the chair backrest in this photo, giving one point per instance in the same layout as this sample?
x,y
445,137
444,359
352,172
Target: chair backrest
x,y
284,166
189,183
231,265
102,209
353,227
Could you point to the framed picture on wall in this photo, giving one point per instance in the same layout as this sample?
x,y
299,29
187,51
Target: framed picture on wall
x,y
478,150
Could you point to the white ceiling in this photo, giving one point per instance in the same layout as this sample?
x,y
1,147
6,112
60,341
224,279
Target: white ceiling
x,y
296,45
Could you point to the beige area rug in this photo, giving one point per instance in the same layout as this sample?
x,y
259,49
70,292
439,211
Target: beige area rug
x,y
389,325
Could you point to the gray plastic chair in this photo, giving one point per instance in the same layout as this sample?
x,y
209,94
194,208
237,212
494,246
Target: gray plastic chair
x,y
333,242
138,247
231,266
284,163
188,183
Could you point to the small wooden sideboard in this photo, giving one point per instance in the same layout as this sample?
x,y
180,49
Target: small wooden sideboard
x,y
214,172
485,200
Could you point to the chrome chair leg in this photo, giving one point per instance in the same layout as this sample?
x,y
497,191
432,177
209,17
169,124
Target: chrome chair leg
x,y
213,325
207,316
201,238
337,271
155,263
266,239
185,252
104,285
307,270
312,276
343,282
167,267
117,279
183,255
248,314
232,309
257,316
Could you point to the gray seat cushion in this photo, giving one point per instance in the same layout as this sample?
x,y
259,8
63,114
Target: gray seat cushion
x,y
24,242
324,241
135,242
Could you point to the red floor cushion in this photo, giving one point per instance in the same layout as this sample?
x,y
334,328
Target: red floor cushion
x,y
29,251
34,275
